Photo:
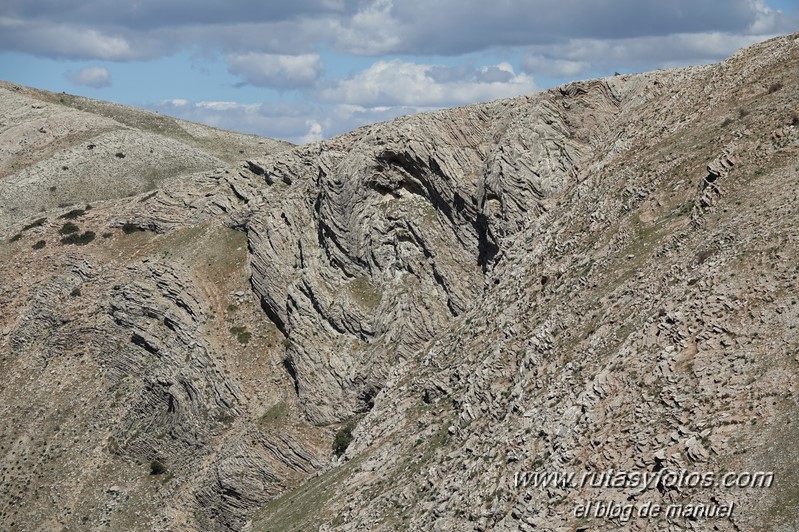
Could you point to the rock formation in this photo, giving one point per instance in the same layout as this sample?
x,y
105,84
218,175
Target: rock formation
x,y
597,277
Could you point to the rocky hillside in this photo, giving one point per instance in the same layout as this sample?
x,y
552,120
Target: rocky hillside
x,y
599,277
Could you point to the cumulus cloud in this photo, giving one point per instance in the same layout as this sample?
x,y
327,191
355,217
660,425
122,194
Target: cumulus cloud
x,y
70,41
605,56
100,29
298,122
400,83
283,121
371,31
556,68
275,70
315,132
94,76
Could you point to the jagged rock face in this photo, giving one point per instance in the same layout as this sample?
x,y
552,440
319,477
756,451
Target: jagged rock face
x,y
181,386
140,350
639,320
367,245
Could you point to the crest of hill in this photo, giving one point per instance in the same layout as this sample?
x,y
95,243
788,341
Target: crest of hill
x,y
58,150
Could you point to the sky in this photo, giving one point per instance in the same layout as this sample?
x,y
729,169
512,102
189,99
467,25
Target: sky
x,y
306,70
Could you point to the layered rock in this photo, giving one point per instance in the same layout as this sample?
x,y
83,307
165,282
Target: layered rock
x,y
367,245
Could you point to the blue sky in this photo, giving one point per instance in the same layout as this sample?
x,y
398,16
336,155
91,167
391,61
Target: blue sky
x,y
310,69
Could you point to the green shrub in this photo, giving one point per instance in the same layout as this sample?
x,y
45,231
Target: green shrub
x,y
79,239
37,223
157,468
68,228
343,437
39,245
73,214
15,237
241,334
129,228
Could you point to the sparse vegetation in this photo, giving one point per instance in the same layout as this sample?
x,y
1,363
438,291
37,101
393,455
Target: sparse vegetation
x,y
241,334
774,87
79,239
274,414
15,237
75,292
344,437
119,155
68,229
35,223
129,228
73,214
157,468
365,293
795,119
39,244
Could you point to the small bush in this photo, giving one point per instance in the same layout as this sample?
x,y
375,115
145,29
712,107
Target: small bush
x,y
343,438
73,214
36,223
129,228
727,122
742,112
15,237
774,87
157,468
241,334
703,255
75,292
39,245
68,228
795,119
79,239
119,155
108,235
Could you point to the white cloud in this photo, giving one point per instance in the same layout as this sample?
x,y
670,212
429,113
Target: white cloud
x,y
282,121
399,83
315,133
605,56
98,29
95,76
298,122
371,31
556,68
276,70
70,41
767,20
